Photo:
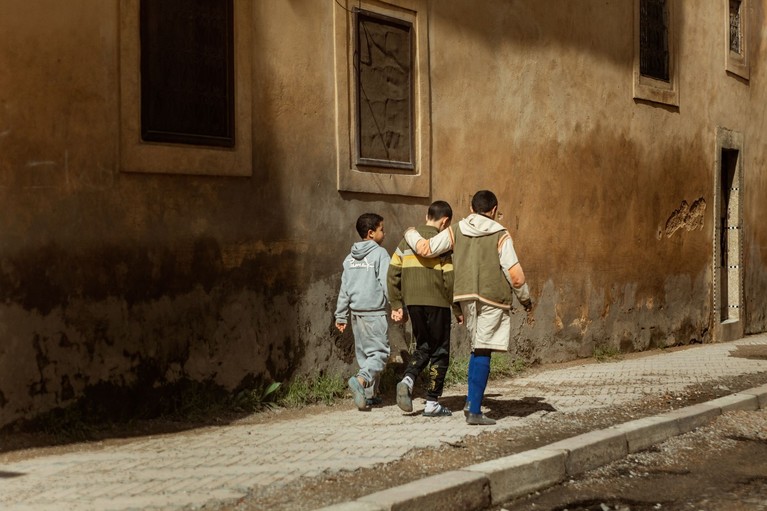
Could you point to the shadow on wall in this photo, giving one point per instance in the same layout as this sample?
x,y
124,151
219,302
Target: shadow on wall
x,y
149,280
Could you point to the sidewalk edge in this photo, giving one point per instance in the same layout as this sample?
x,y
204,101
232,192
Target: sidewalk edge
x,y
496,481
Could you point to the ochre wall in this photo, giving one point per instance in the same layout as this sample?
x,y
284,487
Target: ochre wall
x,y
755,233
141,279
609,199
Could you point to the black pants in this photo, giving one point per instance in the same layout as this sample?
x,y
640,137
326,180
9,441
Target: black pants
x,y
431,329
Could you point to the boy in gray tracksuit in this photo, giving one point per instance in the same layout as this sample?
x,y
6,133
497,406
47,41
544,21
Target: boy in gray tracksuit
x,y
364,293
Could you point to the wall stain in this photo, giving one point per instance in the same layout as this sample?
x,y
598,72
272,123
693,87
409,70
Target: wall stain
x,y
41,358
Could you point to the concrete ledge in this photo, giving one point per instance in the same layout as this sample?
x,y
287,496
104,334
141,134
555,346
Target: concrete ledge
x,y
522,473
736,402
457,490
693,417
352,506
646,432
760,393
591,450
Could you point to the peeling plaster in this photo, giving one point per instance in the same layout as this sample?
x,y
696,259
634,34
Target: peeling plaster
x,y
687,217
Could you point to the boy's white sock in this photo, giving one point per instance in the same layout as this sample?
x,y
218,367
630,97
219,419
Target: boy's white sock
x,y
407,380
431,406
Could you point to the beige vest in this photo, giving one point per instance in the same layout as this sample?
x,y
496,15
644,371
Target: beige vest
x,y
478,272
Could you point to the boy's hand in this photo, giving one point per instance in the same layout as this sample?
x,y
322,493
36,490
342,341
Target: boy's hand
x,y
341,326
397,314
459,318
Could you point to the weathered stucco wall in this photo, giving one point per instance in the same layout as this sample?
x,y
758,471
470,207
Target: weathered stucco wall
x,y
755,233
110,278
142,279
608,198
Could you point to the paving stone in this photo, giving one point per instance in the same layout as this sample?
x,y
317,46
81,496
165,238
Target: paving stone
x,y
236,458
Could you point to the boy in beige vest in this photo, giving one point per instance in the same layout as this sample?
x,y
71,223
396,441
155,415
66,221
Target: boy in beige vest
x,y
487,277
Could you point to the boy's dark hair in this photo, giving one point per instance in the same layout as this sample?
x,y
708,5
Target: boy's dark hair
x,y
368,222
440,209
483,201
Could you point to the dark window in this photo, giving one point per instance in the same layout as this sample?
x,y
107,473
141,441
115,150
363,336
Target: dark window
x,y
187,72
653,39
735,30
384,76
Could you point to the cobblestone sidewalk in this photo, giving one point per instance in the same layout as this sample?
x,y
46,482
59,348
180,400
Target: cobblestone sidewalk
x,y
215,464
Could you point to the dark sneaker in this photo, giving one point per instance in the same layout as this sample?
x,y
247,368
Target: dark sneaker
x,y
479,419
439,411
373,401
358,393
404,397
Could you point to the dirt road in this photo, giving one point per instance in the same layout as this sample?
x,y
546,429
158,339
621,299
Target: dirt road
x,y
720,467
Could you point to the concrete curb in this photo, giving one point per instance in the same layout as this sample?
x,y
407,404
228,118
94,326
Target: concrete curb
x,y
494,482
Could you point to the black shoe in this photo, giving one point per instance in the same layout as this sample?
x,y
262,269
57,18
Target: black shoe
x,y
404,398
479,419
373,401
440,411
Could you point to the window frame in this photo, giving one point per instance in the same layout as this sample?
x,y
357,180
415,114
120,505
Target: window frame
x,y
358,105
737,63
141,156
153,133
367,176
648,88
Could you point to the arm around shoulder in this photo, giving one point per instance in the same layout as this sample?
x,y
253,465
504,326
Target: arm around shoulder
x,y
433,247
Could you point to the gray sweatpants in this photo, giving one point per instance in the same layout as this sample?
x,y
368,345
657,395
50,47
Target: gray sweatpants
x,y
371,346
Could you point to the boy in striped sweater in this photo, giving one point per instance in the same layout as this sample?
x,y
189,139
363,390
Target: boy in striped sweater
x,y
488,276
425,287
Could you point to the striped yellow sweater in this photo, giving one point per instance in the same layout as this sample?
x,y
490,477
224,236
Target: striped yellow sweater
x,y
416,280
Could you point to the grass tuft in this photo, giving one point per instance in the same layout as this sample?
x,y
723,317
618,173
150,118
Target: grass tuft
x,y
257,399
606,353
319,388
502,365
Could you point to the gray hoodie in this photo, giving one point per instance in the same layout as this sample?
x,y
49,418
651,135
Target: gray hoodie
x,y
363,283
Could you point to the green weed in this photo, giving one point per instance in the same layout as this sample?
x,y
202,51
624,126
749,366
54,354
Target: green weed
x,y
502,365
457,371
259,398
606,353
320,388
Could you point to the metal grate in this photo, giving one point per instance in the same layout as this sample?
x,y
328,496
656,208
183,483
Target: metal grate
x,y
653,39
736,34
187,72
